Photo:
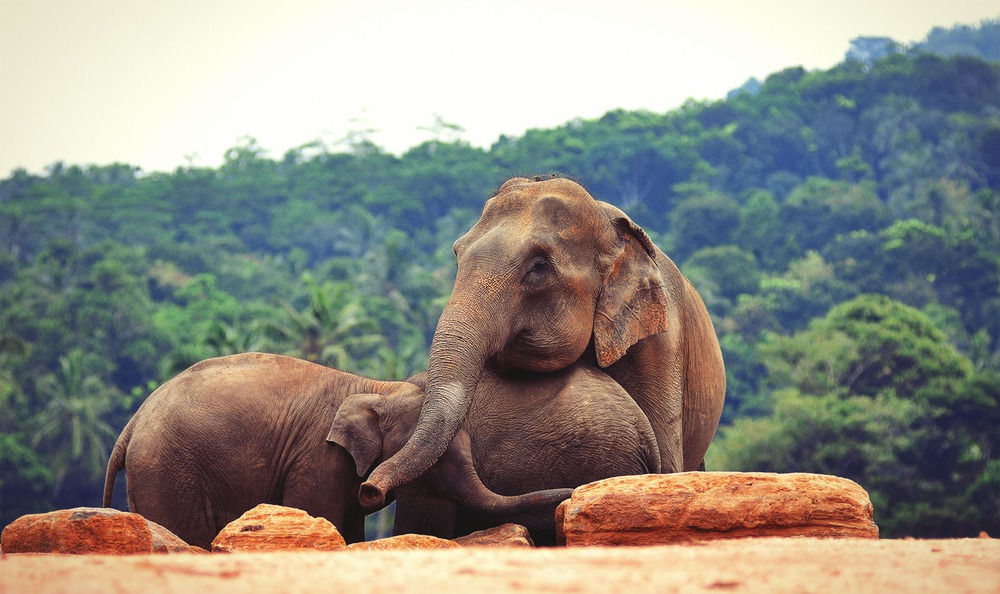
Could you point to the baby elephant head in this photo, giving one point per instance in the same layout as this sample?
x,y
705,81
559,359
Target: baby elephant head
x,y
372,427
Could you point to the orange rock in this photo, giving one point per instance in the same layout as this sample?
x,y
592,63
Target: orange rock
x,y
165,541
89,530
698,506
405,541
277,528
505,535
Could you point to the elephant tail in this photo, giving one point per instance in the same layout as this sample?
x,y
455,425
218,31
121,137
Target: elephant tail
x,y
116,462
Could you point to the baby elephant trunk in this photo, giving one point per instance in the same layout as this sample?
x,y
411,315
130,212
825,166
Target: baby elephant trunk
x,y
460,479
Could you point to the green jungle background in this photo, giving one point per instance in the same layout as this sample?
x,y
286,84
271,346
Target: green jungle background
x,y
843,227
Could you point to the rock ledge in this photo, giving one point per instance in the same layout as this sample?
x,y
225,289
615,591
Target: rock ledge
x,y
700,506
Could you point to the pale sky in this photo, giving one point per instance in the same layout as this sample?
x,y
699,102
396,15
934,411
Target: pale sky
x,y
165,83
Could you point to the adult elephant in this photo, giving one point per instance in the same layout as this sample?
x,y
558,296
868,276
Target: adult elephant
x,y
549,275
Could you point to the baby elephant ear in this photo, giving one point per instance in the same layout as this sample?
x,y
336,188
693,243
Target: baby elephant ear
x,y
633,302
356,429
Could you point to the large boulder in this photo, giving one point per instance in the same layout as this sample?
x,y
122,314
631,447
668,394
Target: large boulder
x,y
165,541
90,530
505,535
277,528
405,541
698,506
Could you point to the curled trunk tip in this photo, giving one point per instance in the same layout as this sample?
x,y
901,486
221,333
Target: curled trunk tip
x,y
371,497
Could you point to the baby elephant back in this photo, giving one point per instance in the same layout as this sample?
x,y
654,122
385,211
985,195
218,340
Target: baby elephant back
x,y
560,429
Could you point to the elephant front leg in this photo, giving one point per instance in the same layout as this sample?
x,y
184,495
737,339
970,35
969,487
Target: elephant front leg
x,y
665,418
325,486
655,382
420,512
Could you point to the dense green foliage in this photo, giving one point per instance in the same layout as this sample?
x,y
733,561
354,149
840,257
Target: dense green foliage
x,y
843,227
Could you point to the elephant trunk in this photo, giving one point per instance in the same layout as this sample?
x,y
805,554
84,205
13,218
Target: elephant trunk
x,y
458,352
456,476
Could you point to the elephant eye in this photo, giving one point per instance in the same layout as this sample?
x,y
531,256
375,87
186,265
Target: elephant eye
x,y
538,271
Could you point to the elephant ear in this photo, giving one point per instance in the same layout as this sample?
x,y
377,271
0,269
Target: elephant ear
x,y
633,301
356,429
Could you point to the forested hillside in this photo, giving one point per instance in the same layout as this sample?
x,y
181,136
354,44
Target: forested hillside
x,y
843,227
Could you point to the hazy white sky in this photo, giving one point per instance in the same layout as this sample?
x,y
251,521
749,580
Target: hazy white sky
x,y
161,83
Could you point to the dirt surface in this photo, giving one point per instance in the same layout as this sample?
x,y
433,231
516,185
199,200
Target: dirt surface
x,y
770,565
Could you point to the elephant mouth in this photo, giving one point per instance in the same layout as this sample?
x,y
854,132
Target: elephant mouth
x,y
529,351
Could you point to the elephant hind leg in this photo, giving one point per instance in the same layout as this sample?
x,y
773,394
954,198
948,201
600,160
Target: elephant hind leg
x,y
180,511
166,494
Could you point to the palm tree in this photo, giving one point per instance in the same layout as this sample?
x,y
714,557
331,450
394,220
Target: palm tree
x,y
222,338
334,329
71,426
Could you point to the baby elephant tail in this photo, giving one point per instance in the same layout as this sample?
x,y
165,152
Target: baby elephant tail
x,y
116,462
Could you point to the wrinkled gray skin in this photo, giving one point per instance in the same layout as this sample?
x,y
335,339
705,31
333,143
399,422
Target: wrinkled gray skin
x,y
549,276
230,433
526,431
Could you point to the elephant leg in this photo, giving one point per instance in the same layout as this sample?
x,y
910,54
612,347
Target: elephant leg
x,y
423,513
327,493
354,527
174,499
659,395
179,513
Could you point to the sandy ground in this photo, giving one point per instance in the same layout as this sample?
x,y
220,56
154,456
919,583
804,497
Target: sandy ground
x,y
770,565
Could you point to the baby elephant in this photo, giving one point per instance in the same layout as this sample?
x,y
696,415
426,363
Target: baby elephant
x,y
525,431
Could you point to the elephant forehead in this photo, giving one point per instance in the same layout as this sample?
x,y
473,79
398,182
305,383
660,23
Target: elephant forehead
x,y
520,193
555,185
498,212
528,214
553,209
565,215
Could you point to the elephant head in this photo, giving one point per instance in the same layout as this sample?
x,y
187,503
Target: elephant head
x,y
546,272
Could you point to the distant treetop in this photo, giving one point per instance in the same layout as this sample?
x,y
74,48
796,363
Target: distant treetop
x,y
981,41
